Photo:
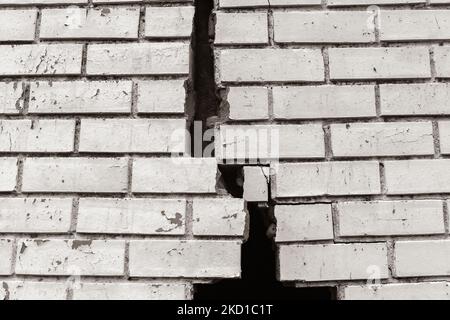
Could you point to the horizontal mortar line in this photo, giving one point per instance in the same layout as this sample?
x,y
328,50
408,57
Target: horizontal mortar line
x,y
118,196
128,76
124,4
342,120
335,45
320,8
363,282
91,116
364,198
103,279
93,236
406,237
301,83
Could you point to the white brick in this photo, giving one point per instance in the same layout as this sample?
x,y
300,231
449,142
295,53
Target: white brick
x,y
233,28
35,215
37,135
442,61
133,135
40,59
256,184
332,261
328,27
131,216
130,291
326,178
444,136
380,218
8,174
248,103
324,102
17,25
169,22
399,291
95,23
75,175
190,259
6,252
382,139
70,257
219,217
12,97
370,2
270,141
138,59
17,2
304,222
265,3
417,176
422,258
414,25
174,175
271,65
379,63
415,99
80,97
156,96
33,290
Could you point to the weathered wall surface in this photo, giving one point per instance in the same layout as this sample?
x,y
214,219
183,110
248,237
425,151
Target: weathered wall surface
x,y
359,98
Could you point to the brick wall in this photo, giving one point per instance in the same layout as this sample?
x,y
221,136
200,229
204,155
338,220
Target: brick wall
x,y
357,92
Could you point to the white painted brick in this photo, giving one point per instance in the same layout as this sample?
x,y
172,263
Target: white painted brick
x,y
233,28
417,176
378,218
219,217
370,2
80,97
256,184
40,59
17,25
75,175
270,141
70,257
95,23
8,174
130,291
422,258
309,102
326,178
442,61
12,97
328,27
332,261
6,252
192,258
156,96
17,2
33,290
379,63
271,65
133,135
444,136
414,25
131,216
138,58
399,291
37,135
265,3
248,103
304,222
415,99
382,139
169,22
174,175
35,215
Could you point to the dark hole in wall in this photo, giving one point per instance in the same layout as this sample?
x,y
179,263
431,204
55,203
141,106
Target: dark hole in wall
x,y
258,263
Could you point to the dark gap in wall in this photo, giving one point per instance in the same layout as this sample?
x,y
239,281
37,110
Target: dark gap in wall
x,y
232,180
259,269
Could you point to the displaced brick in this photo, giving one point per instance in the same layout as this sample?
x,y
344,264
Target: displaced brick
x,y
70,257
35,215
33,290
248,103
8,174
169,22
75,175
17,25
382,139
187,258
332,261
326,178
219,217
256,184
174,175
303,222
232,28
156,96
378,218
131,216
